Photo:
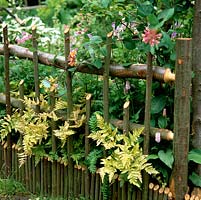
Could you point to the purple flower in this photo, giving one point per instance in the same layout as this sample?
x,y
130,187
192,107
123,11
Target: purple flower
x,y
173,35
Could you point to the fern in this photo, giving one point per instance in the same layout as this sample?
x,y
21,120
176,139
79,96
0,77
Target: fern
x,y
126,155
105,189
92,158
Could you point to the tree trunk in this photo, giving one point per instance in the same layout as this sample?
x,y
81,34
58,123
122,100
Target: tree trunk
x,y
196,85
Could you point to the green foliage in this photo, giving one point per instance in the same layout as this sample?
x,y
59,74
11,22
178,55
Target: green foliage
x,y
11,187
60,11
126,155
105,188
92,158
195,156
166,157
3,3
196,179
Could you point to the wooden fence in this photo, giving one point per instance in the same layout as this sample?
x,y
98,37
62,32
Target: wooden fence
x,y
56,178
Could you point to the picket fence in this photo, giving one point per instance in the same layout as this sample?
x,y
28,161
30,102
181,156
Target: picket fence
x,y
55,178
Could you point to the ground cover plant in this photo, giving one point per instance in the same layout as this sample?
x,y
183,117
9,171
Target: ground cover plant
x,y
138,27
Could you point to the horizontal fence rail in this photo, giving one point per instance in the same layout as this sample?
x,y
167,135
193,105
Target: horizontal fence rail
x,y
134,71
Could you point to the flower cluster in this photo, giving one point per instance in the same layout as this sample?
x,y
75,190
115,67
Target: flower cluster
x,y
72,57
118,30
25,36
151,37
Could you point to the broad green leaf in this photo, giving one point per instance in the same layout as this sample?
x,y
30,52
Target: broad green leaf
x,y
162,122
166,14
157,104
196,179
195,156
105,3
145,9
166,157
96,39
97,63
153,20
129,43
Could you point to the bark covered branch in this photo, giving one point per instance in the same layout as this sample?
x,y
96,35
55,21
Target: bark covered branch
x,y
134,71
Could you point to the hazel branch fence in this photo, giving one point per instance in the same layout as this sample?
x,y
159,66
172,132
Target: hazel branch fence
x,y
55,178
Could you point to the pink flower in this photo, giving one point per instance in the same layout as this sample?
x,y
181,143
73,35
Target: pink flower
x,y
25,36
150,36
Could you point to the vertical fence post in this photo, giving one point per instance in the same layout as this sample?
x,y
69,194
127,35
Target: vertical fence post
x,y
8,103
54,147
87,147
126,127
181,117
36,72
106,78
149,76
106,90
37,93
70,109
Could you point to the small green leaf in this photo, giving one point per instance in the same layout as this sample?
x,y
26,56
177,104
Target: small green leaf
x,y
196,179
195,156
157,104
152,157
166,157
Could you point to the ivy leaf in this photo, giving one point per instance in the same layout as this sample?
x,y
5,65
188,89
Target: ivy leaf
x,y
196,179
166,157
195,156
157,104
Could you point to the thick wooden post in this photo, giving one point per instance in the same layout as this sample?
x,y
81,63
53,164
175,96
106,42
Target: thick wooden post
x,y
181,118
